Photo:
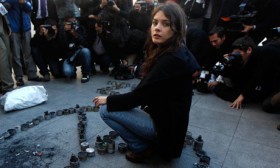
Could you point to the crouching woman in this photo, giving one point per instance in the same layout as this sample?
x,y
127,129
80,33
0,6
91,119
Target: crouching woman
x,y
165,89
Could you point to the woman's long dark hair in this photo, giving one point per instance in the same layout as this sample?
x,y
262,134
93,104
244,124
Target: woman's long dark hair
x,y
177,19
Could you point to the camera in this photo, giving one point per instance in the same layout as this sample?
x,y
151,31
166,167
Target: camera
x,y
145,7
51,31
110,2
226,62
234,23
201,83
74,25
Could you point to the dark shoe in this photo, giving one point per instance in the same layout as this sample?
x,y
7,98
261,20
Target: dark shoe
x,y
36,79
47,77
138,157
85,78
20,82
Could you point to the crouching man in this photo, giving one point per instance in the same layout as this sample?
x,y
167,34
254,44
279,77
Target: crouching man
x,y
76,53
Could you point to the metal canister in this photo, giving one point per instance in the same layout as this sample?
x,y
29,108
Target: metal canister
x,y
122,147
102,150
98,142
36,121
188,139
24,127
106,138
59,112
205,159
84,146
198,144
52,114
74,161
82,156
90,152
111,146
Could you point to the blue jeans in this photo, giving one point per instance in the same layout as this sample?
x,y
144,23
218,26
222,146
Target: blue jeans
x,y
134,126
83,58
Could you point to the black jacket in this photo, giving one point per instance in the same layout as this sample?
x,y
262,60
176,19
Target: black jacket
x,y
52,14
260,76
71,44
167,91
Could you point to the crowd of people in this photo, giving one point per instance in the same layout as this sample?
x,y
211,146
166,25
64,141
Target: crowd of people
x,y
239,53
211,45
70,33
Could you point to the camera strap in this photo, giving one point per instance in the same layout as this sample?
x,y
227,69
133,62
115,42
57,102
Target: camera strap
x,y
73,57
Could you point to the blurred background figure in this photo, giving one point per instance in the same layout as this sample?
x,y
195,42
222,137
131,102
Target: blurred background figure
x,y
6,80
19,18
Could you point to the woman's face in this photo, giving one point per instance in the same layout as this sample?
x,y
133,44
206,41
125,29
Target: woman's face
x,y
161,28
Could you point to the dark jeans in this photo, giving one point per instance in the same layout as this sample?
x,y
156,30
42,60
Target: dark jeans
x,y
82,58
44,60
104,61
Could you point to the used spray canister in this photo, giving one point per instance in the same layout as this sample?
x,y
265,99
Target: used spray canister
x,y
198,144
98,142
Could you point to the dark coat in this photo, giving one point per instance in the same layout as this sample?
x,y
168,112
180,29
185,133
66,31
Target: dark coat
x,y
167,91
52,14
260,76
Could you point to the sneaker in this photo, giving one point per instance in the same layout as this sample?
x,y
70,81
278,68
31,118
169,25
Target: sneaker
x,y
85,78
20,82
36,79
46,77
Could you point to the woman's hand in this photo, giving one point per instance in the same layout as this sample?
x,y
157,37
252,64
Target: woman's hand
x,y
237,104
99,100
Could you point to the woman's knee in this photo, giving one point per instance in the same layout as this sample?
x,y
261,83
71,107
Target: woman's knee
x,y
103,111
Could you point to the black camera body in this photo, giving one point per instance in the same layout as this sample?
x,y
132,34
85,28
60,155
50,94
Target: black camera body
x,y
110,2
201,84
145,7
226,62
234,23
74,25
51,31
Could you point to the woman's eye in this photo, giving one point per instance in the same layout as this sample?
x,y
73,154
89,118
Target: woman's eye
x,y
154,23
166,24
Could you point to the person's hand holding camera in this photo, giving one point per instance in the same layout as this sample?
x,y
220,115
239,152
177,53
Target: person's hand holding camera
x,y
43,31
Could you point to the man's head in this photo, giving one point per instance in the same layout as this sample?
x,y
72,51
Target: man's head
x,y
137,7
70,23
217,37
244,46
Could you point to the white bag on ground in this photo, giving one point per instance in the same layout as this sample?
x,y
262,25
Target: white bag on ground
x,y
24,97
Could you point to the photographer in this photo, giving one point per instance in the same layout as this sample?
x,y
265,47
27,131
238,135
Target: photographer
x,y
74,47
267,17
115,14
252,79
45,49
139,18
